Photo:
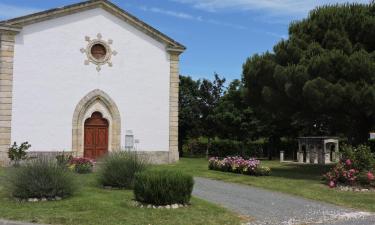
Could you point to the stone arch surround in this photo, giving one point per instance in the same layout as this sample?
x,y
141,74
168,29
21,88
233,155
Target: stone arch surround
x,y
96,100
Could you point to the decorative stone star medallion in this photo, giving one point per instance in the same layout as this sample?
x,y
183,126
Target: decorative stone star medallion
x,y
98,52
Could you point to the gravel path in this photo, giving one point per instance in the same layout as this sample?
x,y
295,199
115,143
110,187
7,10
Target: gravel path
x,y
272,208
7,222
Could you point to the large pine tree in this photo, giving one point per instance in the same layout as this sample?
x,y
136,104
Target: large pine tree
x,y
321,80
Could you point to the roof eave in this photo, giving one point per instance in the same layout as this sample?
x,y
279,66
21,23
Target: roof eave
x,y
105,4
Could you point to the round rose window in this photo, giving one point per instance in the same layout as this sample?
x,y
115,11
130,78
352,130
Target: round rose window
x,y
98,51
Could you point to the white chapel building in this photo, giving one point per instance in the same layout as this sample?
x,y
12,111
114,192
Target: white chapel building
x,y
88,78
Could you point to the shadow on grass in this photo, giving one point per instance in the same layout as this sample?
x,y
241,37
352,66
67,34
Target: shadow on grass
x,y
298,171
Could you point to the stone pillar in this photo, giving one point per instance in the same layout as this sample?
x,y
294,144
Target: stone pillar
x,y
308,157
300,157
327,158
281,156
173,104
7,40
316,158
337,152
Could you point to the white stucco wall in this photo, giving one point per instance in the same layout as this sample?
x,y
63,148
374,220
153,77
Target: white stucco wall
x,y
50,78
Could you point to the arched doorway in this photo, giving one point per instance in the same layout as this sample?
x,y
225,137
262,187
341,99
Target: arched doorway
x,y
96,136
96,101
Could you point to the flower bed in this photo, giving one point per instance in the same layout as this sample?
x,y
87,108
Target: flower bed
x,y
81,165
239,165
345,174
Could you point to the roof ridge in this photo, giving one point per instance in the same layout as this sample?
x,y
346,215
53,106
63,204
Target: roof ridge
x,y
81,6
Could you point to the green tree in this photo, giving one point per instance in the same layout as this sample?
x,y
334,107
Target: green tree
x,y
189,110
210,93
321,80
234,118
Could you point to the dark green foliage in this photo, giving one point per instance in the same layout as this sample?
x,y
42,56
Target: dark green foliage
x,y
17,153
320,81
362,157
371,144
227,147
189,110
195,147
118,169
197,102
41,178
163,187
224,148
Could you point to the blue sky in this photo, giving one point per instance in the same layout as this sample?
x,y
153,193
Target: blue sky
x,y
219,34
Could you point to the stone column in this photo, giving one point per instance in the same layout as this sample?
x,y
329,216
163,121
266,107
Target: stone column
x,y
316,159
173,104
300,157
327,157
308,157
7,40
281,156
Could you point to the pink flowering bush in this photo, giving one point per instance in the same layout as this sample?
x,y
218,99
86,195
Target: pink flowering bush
x,y
344,173
81,165
355,168
238,165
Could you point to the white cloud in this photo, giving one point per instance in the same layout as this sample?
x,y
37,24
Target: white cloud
x,y
274,7
11,11
186,16
180,15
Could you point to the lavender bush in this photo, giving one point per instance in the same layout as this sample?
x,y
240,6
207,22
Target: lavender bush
x,y
238,165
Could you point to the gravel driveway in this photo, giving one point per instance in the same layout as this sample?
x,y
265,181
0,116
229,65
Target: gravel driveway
x,y
272,208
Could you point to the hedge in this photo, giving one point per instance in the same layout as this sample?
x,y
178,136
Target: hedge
x,y
163,187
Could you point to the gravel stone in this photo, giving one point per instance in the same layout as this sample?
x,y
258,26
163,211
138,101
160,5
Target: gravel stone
x,y
272,208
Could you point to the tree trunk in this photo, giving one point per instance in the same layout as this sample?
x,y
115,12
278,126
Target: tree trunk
x,y
208,148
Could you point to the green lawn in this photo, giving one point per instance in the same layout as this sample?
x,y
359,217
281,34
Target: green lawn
x,y
93,205
301,180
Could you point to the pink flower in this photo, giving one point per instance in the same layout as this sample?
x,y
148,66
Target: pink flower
x,y
370,176
332,184
348,162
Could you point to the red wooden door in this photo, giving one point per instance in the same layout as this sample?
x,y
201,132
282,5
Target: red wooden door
x,y
96,136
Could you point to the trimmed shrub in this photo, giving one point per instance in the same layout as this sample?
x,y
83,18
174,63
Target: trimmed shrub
x,y
81,165
118,169
163,187
41,178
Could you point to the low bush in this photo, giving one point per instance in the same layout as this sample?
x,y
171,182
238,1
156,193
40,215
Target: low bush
x,y
81,165
41,178
355,168
63,159
343,173
262,171
163,187
361,157
239,165
118,169
17,153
